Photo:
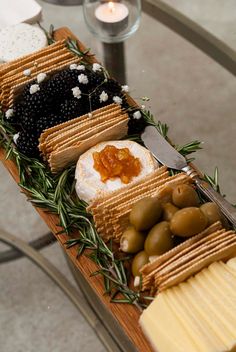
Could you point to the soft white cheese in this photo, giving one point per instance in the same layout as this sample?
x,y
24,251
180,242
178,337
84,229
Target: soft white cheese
x,y
88,181
19,40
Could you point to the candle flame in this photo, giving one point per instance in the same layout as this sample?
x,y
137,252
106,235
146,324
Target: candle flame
x,y
111,6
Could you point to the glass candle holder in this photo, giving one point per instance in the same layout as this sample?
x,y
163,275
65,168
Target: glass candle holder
x,y
112,21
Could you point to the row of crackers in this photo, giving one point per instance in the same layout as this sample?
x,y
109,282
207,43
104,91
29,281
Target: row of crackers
x,y
16,74
175,266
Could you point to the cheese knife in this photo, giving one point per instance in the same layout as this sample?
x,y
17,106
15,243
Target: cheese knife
x,y
169,156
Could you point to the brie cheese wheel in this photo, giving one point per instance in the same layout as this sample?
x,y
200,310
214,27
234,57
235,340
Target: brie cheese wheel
x,y
88,181
19,40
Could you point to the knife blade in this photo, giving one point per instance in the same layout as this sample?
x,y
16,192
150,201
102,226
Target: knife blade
x,y
169,156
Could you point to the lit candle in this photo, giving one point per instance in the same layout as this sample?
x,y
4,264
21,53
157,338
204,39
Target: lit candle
x,y
112,16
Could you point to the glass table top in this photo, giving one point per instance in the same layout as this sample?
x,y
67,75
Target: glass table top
x,y
216,16
188,90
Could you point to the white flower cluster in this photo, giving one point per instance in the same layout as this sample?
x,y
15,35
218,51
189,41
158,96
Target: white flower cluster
x,y
117,100
125,88
83,79
34,88
27,72
9,113
103,97
97,67
76,92
15,137
41,77
137,115
77,67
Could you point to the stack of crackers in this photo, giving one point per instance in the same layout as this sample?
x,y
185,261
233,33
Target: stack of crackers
x,y
111,213
62,145
48,60
175,266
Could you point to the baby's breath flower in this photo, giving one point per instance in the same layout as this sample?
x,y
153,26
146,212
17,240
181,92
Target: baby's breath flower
x,y
83,79
41,77
117,100
125,88
80,67
97,67
9,113
15,137
137,115
103,97
73,67
76,92
34,88
27,72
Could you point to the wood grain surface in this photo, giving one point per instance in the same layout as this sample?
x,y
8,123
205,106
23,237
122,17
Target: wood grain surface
x,y
126,315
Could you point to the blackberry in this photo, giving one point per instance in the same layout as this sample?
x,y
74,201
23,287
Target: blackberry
x,y
28,144
28,123
45,122
71,108
61,83
37,104
18,111
95,79
136,126
26,91
113,86
95,98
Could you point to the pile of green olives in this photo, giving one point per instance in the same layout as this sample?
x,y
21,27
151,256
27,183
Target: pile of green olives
x,y
154,225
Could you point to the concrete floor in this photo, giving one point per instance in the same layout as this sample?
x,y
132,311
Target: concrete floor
x,y
193,95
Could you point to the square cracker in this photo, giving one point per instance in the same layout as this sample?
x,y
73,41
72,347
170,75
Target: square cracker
x,y
80,137
223,253
82,128
60,160
58,128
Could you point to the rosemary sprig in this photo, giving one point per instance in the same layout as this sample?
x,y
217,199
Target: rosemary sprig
x,y
161,127
189,148
213,180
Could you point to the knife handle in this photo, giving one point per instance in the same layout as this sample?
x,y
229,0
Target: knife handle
x,y
227,209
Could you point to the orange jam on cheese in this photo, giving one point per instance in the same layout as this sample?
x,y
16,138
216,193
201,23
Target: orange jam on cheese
x,y
112,162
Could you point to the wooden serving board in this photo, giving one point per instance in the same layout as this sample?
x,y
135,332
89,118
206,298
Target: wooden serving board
x,y
126,315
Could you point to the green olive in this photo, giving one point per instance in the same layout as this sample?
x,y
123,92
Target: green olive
x,y
159,239
132,241
212,212
138,262
169,210
188,222
185,196
145,213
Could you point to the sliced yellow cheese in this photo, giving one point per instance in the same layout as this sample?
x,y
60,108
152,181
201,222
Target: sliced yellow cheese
x,y
232,263
173,325
195,328
220,308
202,312
158,333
